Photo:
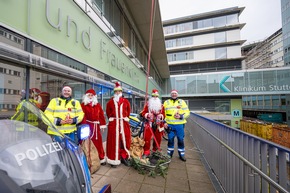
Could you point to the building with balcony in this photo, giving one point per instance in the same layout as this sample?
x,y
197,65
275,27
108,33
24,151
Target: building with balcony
x,y
285,10
264,54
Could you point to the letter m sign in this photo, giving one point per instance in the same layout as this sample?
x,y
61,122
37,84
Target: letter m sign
x,y
236,113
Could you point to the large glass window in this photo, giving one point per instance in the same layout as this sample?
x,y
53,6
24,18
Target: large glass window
x,y
12,88
52,85
220,37
232,19
207,23
220,53
219,21
184,27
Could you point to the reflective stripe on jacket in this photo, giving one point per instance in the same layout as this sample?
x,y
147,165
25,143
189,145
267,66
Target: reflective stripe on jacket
x,y
57,108
175,106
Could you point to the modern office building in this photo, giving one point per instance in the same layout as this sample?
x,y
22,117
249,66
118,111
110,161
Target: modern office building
x,y
205,42
47,44
264,54
285,10
199,49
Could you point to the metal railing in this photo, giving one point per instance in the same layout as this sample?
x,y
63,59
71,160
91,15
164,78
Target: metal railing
x,y
241,162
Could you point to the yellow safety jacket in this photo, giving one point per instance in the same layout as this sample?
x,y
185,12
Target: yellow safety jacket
x,y
172,107
58,109
20,115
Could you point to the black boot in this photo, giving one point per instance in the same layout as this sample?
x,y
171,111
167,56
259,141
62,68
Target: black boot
x,y
126,162
182,158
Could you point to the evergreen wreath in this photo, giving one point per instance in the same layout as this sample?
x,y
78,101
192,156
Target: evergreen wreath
x,y
155,164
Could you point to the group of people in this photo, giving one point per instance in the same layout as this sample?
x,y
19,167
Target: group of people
x,y
170,116
66,113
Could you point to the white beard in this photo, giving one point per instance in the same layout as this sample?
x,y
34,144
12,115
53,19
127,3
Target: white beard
x,y
87,100
154,105
117,97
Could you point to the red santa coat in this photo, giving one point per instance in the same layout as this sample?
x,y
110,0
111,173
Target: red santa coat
x,y
157,119
94,116
119,134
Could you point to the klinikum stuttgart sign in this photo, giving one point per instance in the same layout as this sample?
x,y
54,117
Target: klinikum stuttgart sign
x,y
249,88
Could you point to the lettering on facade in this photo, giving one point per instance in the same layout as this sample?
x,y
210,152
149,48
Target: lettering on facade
x,y
284,87
37,152
111,59
85,35
86,39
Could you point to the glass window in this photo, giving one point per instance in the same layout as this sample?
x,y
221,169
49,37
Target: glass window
x,y
232,19
11,94
201,84
213,84
219,21
98,4
200,24
220,53
220,37
50,86
181,85
276,101
184,27
207,23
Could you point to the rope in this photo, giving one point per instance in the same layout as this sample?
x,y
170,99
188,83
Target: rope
x,y
153,6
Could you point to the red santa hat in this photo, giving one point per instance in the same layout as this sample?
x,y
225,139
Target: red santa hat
x,y
154,92
92,91
118,87
174,91
67,87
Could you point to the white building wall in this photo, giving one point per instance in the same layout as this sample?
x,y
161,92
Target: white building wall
x,y
234,52
233,35
203,39
204,55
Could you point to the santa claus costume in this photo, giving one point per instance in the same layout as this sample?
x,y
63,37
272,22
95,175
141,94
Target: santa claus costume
x,y
95,118
153,112
119,134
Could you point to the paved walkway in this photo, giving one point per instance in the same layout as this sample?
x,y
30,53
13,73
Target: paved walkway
x,y
182,177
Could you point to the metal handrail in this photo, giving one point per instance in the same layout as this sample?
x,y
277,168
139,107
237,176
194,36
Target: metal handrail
x,y
234,157
267,178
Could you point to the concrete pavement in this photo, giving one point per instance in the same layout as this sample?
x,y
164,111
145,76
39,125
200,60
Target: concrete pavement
x,y
183,177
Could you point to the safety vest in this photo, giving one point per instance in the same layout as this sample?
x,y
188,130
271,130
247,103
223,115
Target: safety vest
x,y
57,108
172,107
20,115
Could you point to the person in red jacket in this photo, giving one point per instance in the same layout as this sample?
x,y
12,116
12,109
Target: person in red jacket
x,y
153,112
95,117
119,134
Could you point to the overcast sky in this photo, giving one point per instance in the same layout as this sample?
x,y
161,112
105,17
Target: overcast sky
x,y
262,17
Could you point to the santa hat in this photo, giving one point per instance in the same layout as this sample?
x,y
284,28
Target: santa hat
x,y
117,87
92,91
67,87
174,91
154,92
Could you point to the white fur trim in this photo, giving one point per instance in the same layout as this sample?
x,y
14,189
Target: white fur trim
x,y
146,115
117,133
113,162
103,160
103,126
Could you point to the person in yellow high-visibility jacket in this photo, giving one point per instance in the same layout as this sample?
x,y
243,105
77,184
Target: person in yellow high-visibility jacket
x,y
65,112
176,113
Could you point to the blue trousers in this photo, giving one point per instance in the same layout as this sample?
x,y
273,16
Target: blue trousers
x,y
176,131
